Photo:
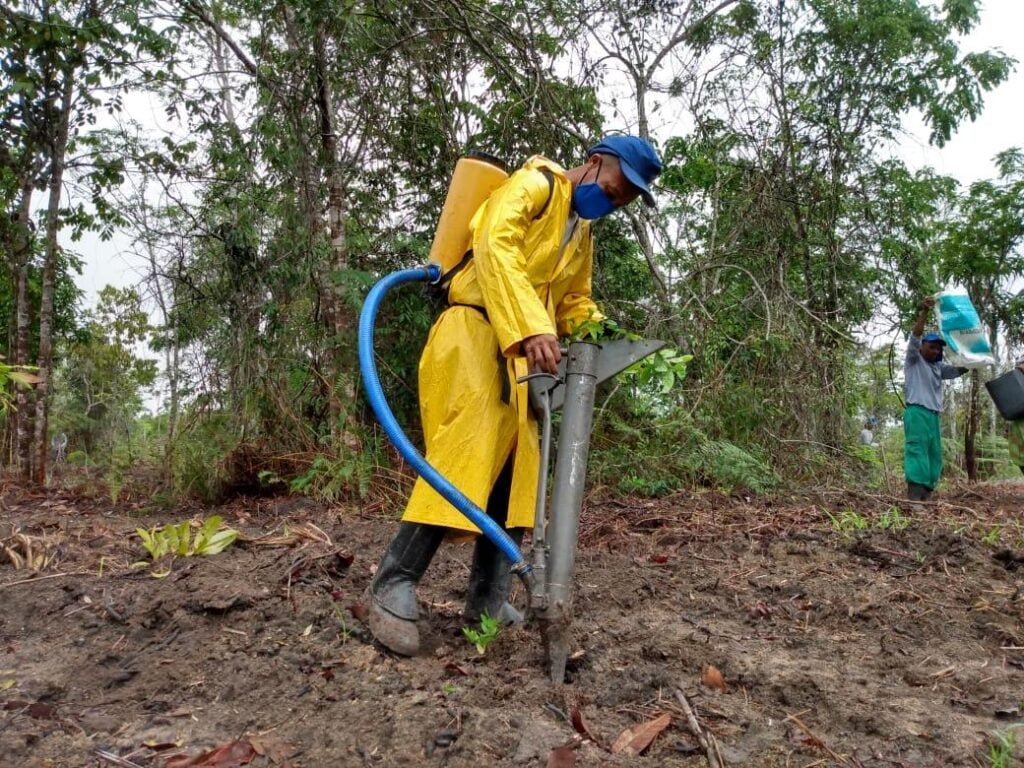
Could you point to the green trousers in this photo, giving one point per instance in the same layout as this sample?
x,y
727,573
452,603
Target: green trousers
x,y
1017,443
922,452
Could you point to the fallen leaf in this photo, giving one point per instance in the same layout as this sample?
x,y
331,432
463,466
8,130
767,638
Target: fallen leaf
x,y
456,669
161,746
307,630
635,740
268,746
344,559
801,739
582,726
9,683
660,559
230,755
36,710
561,757
358,611
712,678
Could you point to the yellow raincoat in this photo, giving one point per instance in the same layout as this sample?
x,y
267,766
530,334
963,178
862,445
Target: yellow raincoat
x,y
527,283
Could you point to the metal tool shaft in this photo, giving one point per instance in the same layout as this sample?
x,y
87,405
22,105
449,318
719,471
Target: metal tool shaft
x,y
567,499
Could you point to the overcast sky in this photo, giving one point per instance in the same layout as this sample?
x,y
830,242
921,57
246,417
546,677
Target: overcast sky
x,y
967,156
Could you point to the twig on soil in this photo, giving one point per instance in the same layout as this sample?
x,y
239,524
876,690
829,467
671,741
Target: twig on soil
x,y
707,740
43,578
817,739
108,605
115,760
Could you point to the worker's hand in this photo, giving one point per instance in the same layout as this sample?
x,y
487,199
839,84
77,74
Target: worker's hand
x,y
542,352
927,303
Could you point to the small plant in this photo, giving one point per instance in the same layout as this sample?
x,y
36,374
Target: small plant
x,y
178,539
19,375
892,520
269,479
848,522
1000,749
344,630
488,632
449,689
992,537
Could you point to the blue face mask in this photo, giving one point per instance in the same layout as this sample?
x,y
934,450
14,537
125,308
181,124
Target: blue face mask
x,y
590,201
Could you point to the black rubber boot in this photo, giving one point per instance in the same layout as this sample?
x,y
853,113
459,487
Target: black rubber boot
x,y
490,579
490,582
918,492
393,607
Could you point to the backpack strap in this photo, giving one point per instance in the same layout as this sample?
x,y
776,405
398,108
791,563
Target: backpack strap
x,y
551,191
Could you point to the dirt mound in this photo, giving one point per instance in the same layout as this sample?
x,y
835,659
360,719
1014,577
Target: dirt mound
x,y
849,629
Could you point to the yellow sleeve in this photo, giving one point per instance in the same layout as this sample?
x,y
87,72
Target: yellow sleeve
x,y
513,307
577,306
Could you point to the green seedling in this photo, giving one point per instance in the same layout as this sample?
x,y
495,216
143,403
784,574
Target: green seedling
x,y
488,632
892,520
848,522
449,688
177,540
993,536
344,631
1000,749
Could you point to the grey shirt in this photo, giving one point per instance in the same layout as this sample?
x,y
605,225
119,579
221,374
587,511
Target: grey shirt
x,y
922,381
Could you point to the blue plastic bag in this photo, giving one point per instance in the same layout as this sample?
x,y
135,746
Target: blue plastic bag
x,y
967,343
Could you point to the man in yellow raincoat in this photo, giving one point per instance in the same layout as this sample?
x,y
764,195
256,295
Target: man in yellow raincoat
x,y
526,284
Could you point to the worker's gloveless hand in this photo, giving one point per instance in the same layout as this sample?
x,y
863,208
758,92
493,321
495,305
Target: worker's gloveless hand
x,y
927,303
542,352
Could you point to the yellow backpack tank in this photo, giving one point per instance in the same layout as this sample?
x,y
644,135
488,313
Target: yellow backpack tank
x,y
476,176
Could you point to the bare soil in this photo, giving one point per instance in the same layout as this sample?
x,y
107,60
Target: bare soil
x,y
839,645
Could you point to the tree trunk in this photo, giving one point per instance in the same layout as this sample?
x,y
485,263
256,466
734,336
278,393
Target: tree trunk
x,y
971,431
342,391
58,150
24,400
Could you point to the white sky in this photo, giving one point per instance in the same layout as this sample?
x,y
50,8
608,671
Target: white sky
x,y
967,156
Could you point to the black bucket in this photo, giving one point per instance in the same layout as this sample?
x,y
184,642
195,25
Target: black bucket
x,y
1007,393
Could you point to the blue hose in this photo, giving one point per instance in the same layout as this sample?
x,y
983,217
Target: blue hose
x,y
375,394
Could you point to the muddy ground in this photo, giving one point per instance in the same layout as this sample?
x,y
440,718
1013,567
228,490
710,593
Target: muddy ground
x,y
842,639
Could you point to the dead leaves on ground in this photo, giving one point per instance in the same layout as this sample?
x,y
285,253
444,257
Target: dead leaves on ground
x,y
291,533
631,742
634,740
711,677
231,755
562,757
30,553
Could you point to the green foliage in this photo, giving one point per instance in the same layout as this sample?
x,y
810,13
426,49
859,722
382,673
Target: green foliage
x,y
332,480
663,370
13,376
676,454
483,637
1000,749
101,379
993,536
177,539
200,454
892,519
848,522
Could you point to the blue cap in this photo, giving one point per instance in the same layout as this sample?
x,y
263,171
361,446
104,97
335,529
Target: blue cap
x,y
934,337
639,162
